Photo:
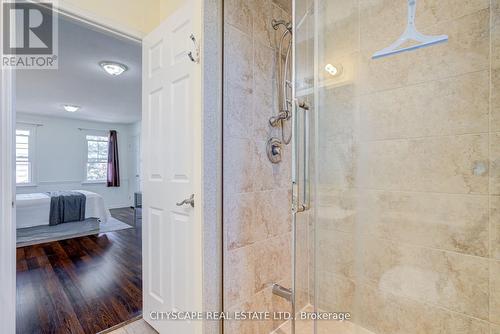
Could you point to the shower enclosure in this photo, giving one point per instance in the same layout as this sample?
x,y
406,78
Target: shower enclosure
x,y
396,167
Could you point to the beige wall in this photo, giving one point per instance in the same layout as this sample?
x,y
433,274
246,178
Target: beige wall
x,y
141,16
167,7
256,203
408,219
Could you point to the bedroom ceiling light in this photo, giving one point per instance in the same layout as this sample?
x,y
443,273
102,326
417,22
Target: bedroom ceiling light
x,y
113,68
71,108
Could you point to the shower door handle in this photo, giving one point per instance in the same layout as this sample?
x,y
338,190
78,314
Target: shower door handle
x,y
305,203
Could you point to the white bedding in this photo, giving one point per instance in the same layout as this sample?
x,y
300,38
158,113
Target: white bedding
x,y
33,209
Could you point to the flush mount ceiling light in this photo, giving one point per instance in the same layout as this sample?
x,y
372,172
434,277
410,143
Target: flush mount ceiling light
x,y
71,108
113,68
333,70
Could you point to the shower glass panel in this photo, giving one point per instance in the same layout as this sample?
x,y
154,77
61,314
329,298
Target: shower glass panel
x,y
403,231
303,162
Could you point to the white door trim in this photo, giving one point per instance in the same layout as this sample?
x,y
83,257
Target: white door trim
x,y
100,22
7,228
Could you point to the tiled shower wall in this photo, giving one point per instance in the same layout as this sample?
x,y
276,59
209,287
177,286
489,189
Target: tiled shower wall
x,y
409,215
256,200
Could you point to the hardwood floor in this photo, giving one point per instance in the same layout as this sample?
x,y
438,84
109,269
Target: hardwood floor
x,y
80,285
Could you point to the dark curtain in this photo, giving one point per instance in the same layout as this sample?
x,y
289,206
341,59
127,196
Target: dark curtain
x,y
113,164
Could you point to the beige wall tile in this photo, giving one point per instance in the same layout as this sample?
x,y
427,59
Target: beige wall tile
x,y
339,106
495,98
383,312
337,293
336,253
338,165
238,105
262,11
239,14
273,212
495,48
495,34
238,167
286,5
238,83
339,36
270,176
443,221
454,164
238,57
458,105
466,51
265,102
239,273
239,221
453,281
257,217
336,209
495,163
259,302
273,259
233,326
494,291
495,227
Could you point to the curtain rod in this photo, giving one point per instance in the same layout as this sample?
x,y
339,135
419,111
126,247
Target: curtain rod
x,y
28,123
86,129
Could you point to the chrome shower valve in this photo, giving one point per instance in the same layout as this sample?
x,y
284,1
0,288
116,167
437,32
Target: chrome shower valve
x,y
283,115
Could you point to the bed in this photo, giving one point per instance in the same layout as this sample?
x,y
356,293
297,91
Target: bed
x,y
33,209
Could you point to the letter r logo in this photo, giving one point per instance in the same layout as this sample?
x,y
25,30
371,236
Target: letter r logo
x,y
28,28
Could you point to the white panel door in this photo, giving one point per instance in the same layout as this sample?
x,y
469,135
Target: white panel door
x,y
171,146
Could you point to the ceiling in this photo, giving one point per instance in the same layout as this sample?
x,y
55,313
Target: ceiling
x,y
81,81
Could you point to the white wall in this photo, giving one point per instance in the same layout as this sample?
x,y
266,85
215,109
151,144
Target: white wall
x,y
135,166
140,16
60,158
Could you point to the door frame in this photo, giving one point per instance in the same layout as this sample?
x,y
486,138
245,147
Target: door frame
x,y
211,157
7,193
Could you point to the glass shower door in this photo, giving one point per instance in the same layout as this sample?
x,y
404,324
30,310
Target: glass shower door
x,y
302,164
403,150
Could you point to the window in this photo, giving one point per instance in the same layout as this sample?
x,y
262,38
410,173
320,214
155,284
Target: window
x,y
97,158
24,155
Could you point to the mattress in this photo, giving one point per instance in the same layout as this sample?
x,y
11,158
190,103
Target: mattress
x,y
33,209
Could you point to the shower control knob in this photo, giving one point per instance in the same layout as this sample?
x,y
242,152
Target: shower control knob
x,y
274,150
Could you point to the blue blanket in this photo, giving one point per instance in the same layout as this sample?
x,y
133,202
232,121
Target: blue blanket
x,y
66,206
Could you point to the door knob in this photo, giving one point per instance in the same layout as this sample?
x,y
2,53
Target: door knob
x,y
189,201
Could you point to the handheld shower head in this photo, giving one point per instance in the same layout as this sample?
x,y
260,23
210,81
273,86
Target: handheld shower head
x,y
283,76
277,23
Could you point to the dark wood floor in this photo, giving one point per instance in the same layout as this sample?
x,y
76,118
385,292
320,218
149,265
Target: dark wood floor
x,y
80,285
